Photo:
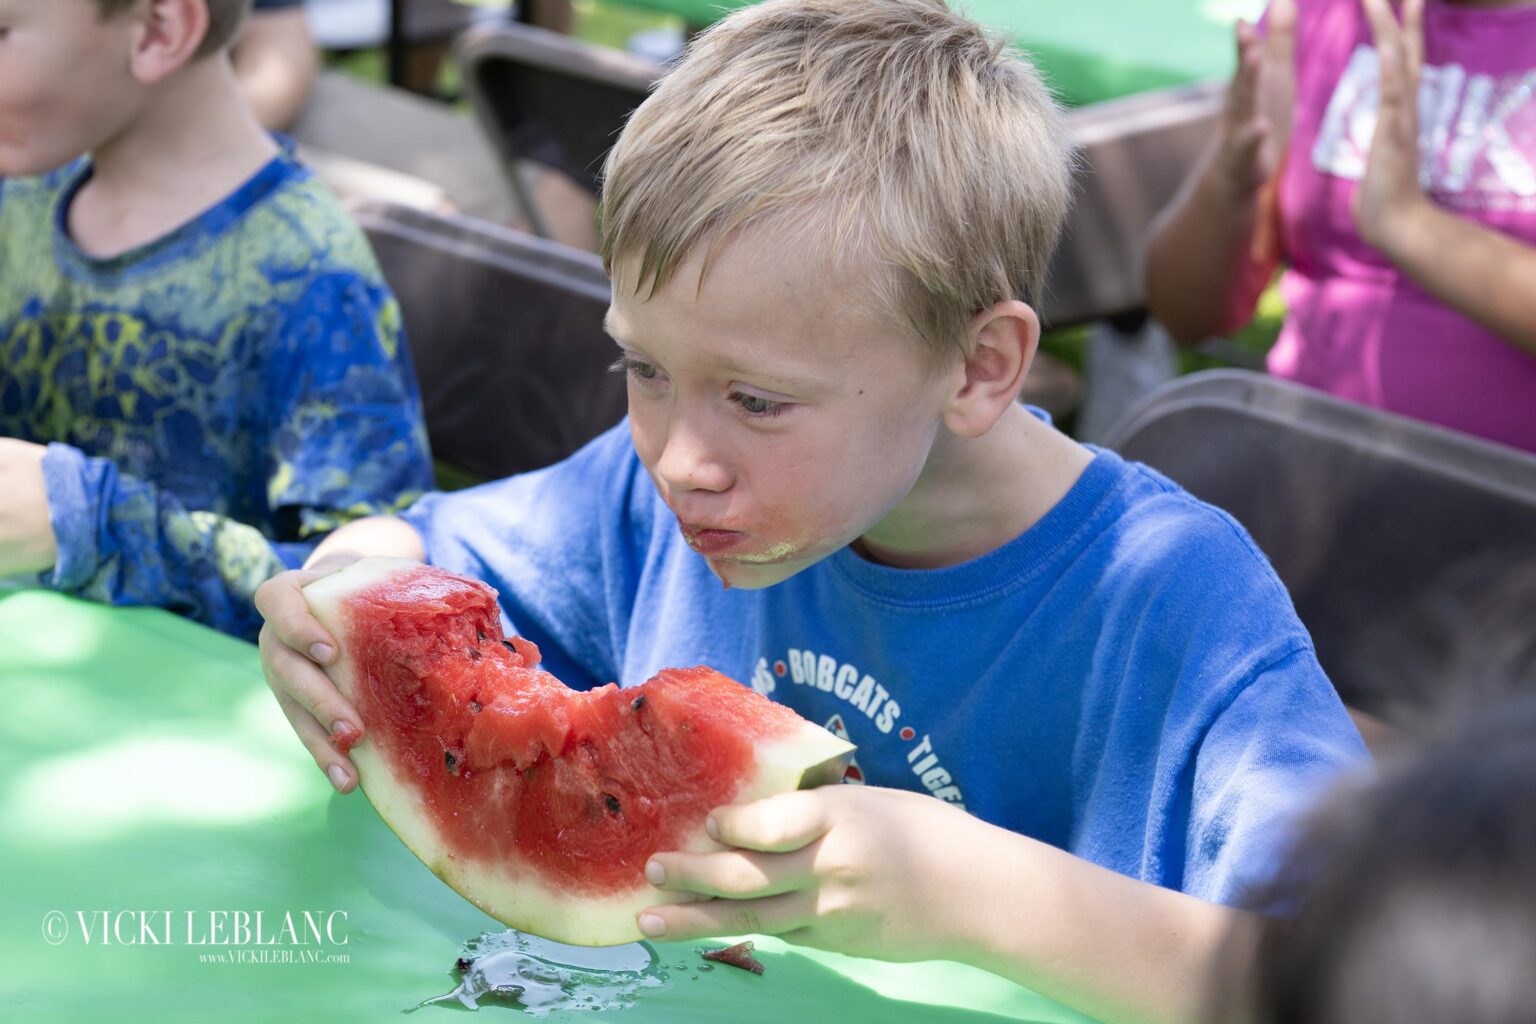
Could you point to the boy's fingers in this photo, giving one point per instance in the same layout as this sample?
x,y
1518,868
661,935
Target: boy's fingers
x,y
780,823
290,673
338,769
737,874
289,617
772,915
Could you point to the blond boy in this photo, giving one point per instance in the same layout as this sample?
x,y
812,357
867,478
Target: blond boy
x,y
825,231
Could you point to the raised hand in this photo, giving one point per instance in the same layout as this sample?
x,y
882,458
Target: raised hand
x,y
1390,186
1256,120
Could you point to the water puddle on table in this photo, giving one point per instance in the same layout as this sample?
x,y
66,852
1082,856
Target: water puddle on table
x,y
526,972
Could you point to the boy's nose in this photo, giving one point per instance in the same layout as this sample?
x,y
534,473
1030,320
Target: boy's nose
x,y
689,462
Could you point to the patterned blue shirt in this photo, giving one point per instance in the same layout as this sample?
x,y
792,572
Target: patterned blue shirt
x,y
214,401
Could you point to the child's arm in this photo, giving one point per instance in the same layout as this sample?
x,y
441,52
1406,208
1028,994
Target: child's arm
x,y
1483,274
1212,251
121,539
903,876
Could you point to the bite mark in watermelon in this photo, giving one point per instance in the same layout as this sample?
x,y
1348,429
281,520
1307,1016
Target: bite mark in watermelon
x,y
540,804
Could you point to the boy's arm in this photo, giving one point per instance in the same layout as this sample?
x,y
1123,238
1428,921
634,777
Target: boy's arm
x,y
902,876
123,540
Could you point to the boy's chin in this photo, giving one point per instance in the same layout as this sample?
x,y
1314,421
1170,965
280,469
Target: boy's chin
x,y
752,576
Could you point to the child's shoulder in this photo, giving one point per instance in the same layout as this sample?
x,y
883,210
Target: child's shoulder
x,y
298,225
1150,527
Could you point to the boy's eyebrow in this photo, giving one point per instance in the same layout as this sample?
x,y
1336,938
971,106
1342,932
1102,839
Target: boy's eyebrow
x,y
794,384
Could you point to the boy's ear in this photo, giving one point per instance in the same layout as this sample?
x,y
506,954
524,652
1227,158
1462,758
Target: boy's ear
x,y
1003,340
169,34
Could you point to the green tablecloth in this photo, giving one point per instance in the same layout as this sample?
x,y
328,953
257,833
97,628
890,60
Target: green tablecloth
x,y
1091,50
147,774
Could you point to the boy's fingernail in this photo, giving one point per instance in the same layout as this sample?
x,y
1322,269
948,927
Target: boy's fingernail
x,y
338,776
653,925
655,873
321,653
711,828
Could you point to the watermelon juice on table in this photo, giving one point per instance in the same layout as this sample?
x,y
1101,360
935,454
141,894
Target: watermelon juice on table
x,y
538,803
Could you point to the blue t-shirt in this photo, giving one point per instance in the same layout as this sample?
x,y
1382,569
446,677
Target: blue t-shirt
x,y
215,401
1127,680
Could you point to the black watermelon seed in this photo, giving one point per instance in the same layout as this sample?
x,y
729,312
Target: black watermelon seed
x,y
463,964
451,761
474,655
612,802
474,707
479,636
509,646
637,703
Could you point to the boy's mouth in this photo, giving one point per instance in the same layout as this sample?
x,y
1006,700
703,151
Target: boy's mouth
x,y
707,540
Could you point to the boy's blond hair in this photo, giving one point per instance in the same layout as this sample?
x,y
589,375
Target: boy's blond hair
x,y
224,18
896,129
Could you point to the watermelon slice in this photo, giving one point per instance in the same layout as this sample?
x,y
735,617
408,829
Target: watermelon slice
x,y
538,803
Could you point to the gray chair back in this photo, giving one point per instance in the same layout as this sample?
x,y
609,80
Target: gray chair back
x,y
506,336
1371,520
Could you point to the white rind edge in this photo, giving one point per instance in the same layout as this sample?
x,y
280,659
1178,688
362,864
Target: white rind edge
x,y
528,904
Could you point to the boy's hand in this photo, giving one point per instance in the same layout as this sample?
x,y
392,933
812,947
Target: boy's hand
x,y
27,543
1390,191
861,870
293,647
1256,121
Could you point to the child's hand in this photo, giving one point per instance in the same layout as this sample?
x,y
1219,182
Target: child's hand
x,y
293,647
1256,122
27,543
860,870
1390,188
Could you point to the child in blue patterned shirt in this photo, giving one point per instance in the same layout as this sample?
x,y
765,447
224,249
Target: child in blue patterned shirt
x,y
202,371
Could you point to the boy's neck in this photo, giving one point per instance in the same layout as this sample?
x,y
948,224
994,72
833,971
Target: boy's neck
x,y
977,494
193,145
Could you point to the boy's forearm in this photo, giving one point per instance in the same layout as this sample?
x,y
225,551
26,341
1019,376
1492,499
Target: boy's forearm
x,y
388,536
1118,949
1202,277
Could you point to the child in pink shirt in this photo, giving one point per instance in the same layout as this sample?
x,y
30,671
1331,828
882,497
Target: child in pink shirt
x,y
1408,228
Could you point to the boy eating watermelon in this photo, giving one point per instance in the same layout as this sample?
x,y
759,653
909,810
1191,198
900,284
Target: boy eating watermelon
x,y
826,231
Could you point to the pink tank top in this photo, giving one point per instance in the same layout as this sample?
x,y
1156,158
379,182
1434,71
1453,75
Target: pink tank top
x,y
1357,327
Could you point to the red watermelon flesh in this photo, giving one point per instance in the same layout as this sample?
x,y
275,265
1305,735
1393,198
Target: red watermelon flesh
x,y
538,803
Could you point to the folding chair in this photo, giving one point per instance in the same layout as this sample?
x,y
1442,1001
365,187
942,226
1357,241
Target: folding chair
x,y
1369,518
506,335
551,99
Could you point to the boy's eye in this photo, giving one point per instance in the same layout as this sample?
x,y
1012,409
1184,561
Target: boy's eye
x,y
633,367
755,405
